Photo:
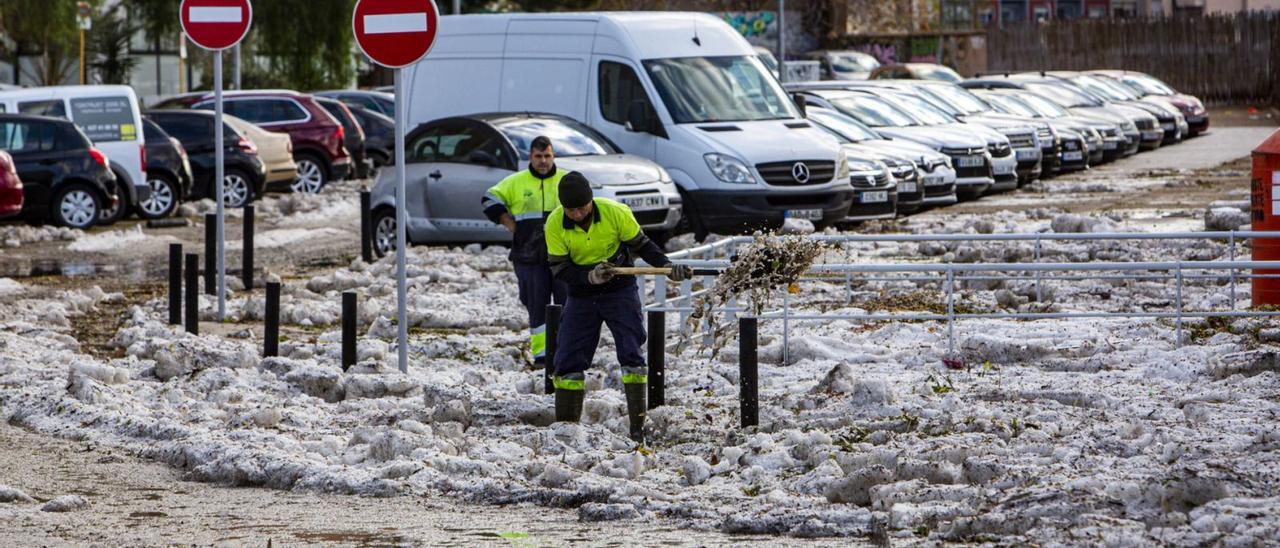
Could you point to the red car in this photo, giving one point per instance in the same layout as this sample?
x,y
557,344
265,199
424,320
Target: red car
x,y
10,187
318,138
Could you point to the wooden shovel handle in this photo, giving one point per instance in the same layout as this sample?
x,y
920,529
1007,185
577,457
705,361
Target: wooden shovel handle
x,y
641,270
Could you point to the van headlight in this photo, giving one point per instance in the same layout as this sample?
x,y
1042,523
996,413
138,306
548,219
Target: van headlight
x,y
842,172
729,169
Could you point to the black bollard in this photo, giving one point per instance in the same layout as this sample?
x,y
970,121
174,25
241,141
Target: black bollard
x,y
193,294
210,254
657,358
246,257
271,332
175,284
366,226
348,329
553,330
748,364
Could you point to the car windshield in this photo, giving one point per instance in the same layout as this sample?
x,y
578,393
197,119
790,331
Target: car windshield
x,y
842,125
1149,84
1119,89
961,99
921,110
874,111
568,138
1042,105
768,60
719,89
1010,105
1092,85
1062,95
936,72
853,62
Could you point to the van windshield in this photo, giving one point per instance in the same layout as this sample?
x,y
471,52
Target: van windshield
x,y
567,138
719,89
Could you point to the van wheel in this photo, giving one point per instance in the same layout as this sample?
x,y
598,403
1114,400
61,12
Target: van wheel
x,y
75,206
384,232
312,175
163,200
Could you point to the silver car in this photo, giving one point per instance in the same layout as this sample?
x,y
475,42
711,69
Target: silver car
x,y
452,162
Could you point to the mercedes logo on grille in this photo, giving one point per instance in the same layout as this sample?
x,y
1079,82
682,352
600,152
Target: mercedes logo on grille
x,y
800,172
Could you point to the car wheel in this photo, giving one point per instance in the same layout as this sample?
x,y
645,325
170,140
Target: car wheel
x,y
76,206
311,175
107,214
163,200
384,232
236,190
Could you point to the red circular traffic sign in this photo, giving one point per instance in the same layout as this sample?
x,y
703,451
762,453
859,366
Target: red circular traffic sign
x,y
395,33
215,24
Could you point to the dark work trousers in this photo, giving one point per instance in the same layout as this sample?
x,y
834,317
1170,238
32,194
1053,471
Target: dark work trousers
x,y
580,330
537,287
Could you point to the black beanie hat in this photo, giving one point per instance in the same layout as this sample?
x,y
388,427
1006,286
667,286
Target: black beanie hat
x,y
574,190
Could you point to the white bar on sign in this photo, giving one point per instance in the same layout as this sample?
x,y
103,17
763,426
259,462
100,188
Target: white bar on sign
x,y
1275,193
215,15
392,23
1275,208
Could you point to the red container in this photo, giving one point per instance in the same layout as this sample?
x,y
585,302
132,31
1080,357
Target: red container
x,y
1265,204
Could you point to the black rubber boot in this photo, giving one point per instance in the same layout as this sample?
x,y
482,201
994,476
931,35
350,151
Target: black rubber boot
x,y
569,404
636,402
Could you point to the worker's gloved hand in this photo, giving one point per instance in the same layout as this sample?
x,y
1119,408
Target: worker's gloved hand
x,y
601,274
680,272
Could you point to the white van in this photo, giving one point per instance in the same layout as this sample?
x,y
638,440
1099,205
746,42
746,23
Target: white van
x,y
109,115
682,89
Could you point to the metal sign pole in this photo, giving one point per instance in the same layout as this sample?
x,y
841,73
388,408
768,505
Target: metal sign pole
x,y
218,182
402,316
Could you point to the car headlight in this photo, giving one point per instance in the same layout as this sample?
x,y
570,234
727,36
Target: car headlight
x,y
663,176
729,169
842,172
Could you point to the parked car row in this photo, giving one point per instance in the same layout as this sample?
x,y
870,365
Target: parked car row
x,y
732,149
273,140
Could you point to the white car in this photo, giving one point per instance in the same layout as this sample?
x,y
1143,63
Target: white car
x,y
450,163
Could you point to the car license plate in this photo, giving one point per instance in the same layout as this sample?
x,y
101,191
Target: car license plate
x,y
932,180
642,202
1071,156
807,214
875,197
1169,127
1003,170
1110,145
1024,155
1195,119
1152,135
969,161
907,187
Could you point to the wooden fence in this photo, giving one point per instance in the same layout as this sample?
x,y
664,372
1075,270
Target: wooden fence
x,y
1231,58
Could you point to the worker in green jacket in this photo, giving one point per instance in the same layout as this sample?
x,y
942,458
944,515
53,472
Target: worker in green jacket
x,y
586,238
521,203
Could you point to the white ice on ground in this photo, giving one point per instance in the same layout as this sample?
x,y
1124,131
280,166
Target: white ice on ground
x,y
1053,432
10,287
110,240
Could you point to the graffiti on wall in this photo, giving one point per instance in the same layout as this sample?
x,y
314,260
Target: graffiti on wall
x,y
884,53
753,24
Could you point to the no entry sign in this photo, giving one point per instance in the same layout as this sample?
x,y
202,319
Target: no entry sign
x,y
395,33
215,24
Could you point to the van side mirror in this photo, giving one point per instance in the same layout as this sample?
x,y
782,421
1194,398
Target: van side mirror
x,y
482,158
800,104
638,119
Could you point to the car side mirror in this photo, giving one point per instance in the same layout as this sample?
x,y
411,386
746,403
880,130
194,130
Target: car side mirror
x,y
482,158
800,104
638,119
